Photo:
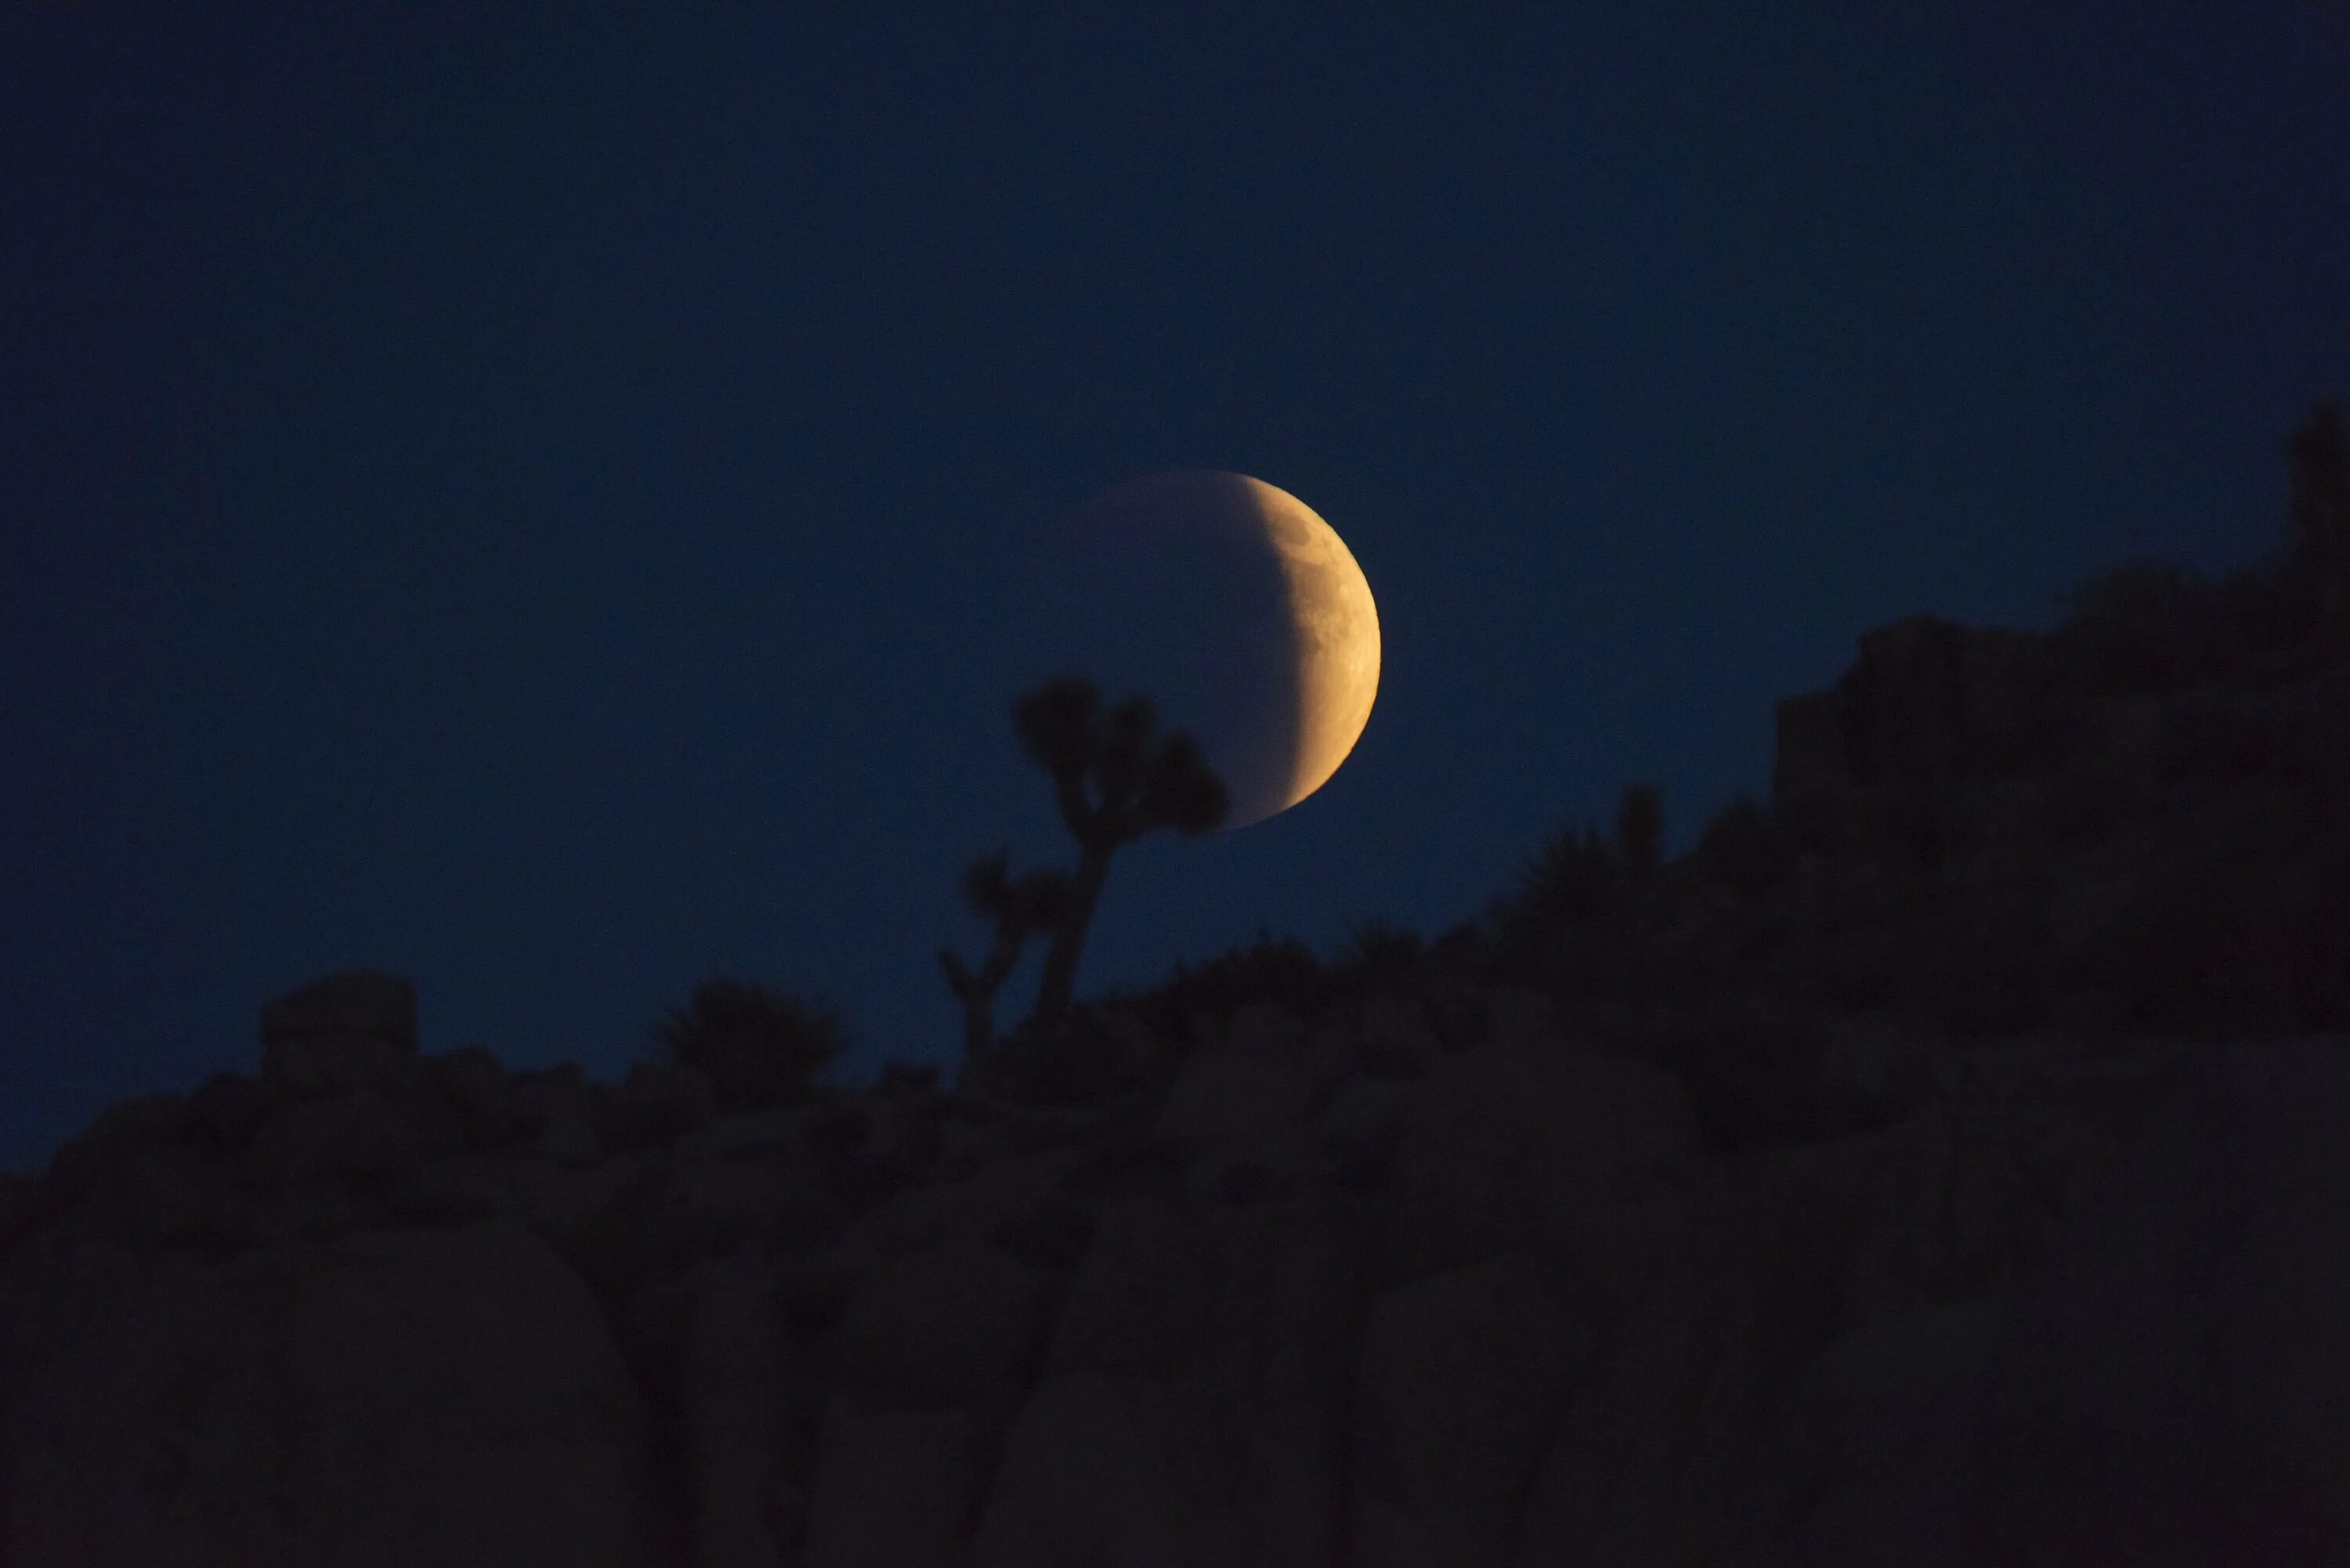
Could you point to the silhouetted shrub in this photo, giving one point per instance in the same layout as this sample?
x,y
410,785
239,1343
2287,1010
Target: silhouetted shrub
x,y
1573,878
1380,951
1743,848
1571,882
759,1046
1280,969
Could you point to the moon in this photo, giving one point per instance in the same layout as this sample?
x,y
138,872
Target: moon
x,y
1235,609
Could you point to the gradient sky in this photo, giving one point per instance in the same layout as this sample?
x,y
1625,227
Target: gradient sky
x,y
534,505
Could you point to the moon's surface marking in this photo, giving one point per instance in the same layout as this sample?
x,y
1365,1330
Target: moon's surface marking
x,y
1238,609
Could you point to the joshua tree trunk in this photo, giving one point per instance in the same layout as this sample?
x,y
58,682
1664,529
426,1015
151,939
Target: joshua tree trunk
x,y
1069,934
977,992
978,1024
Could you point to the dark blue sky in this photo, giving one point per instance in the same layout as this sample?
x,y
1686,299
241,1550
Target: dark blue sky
x,y
534,506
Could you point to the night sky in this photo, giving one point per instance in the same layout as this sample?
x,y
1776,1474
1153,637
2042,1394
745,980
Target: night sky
x,y
536,506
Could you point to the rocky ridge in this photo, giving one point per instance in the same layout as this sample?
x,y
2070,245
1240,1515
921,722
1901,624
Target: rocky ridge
x,y
1850,1195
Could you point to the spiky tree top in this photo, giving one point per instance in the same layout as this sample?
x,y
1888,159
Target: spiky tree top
x,y
1114,778
1138,779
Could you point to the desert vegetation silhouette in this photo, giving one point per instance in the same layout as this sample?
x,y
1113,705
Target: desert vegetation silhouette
x,y
2234,917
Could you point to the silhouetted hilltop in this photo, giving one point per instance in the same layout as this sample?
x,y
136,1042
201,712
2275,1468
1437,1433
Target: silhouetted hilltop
x,y
1824,1195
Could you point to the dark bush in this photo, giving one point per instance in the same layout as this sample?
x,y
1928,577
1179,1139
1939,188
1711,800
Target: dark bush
x,y
759,1047
1280,969
1573,878
1380,952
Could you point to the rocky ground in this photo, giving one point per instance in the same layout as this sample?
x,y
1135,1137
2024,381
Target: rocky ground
x,y
1854,1196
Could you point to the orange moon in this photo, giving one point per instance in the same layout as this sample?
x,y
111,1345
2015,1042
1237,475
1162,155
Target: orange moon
x,y
1238,611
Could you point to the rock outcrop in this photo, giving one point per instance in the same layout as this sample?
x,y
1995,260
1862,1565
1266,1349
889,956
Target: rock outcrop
x,y
1800,1232
1508,1312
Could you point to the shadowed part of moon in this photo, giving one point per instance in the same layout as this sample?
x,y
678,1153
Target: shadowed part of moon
x,y
1235,609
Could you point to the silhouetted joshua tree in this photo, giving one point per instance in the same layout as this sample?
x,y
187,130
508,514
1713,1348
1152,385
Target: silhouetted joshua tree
x,y
1115,779
1030,906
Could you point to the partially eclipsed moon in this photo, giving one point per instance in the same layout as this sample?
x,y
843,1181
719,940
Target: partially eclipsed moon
x,y
1238,611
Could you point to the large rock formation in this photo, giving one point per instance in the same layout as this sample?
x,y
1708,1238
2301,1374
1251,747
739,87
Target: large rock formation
x,y
1506,1311
1755,1246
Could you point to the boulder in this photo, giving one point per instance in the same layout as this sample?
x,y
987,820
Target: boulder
x,y
1051,1235
933,1350
1704,1332
25,1204
443,1396
745,1384
1363,1111
1462,1376
542,1094
362,1135
678,1210
1241,1089
119,1135
1140,1444
1519,1016
1869,1458
894,1488
1809,756
477,1089
1143,1300
1085,1478
225,1112
346,1030
568,1137
950,1325
1395,1037
2173,1384
1930,696
1544,1147
662,1101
